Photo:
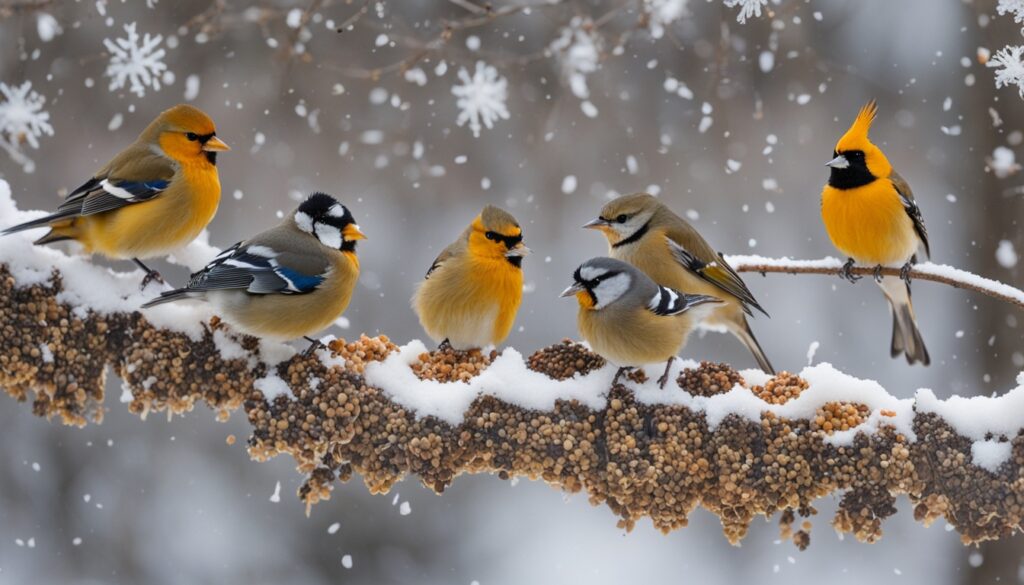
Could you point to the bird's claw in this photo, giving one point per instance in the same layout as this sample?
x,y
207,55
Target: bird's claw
x,y
905,272
877,274
314,344
151,276
619,374
846,272
444,345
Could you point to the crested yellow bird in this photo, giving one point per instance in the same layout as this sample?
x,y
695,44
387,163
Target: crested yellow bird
x,y
628,319
871,216
471,293
287,282
155,196
644,232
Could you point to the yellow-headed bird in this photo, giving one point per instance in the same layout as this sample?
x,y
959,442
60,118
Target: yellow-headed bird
x,y
644,232
472,291
631,321
871,216
153,197
287,282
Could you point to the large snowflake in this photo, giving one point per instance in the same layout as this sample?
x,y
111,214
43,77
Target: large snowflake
x,y
22,117
1010,61
136,64
481,97
748,8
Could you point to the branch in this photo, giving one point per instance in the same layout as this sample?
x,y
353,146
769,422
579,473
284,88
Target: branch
x,y
738,445
940,273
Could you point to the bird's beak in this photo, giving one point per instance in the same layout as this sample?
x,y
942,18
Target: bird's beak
x,y
596,224
572,290
519,251
215,144
838,162
351,232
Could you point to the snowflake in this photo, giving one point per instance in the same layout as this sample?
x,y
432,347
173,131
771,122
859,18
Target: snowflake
x,y
748,8
139,65
1009,58
22,117
481,97
578,47
1014,6
661,13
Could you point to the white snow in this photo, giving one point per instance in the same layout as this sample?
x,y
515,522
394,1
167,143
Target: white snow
x,y
813,349
333,528
276,496
405,509
346,561
990,454
272,386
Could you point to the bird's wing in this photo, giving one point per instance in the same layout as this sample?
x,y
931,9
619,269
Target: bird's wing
x,y
668,301
256,269
910,205
445,254
132,177
716,271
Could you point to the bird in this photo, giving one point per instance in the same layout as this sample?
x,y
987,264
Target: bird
x,y
287,282
472,291
630,320
871,216
644,232
153,197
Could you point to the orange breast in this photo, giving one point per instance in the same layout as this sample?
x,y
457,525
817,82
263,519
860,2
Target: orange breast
x,y
869,223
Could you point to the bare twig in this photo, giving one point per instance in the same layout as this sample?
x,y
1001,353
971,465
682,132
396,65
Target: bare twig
x,y
931,272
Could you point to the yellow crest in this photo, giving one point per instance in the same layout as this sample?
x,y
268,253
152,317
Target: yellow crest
x,y
856,138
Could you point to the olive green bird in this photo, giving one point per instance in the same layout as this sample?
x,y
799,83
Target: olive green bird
x,y
644,232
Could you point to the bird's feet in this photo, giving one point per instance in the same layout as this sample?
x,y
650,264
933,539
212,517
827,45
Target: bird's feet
x,y
314,344
619,374
877,274
444,345
846,271
664,377
151,275
905,272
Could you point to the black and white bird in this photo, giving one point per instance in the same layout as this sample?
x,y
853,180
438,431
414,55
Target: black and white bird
x,y
628,319
287,282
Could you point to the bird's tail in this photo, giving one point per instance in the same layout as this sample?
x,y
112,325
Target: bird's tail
x,y
170,296
742,331
906,338
61,228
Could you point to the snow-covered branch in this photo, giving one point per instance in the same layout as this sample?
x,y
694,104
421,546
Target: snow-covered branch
x,y
929,271
735,443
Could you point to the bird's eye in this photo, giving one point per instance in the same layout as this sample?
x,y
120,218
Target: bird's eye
x,y
491,235
621,218
192,136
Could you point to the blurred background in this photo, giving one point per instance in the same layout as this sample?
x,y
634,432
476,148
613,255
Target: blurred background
x,y
729,123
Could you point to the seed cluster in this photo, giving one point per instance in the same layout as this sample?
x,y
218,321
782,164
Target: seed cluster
x,y
839,416
362,351
565,360
640,460
781,389
709,379
451,365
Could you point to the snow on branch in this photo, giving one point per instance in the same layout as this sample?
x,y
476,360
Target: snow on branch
x,y
735,443
940,273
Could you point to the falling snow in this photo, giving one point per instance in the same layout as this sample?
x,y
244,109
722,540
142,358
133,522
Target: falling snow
x,y
137,63
481,98
748,8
